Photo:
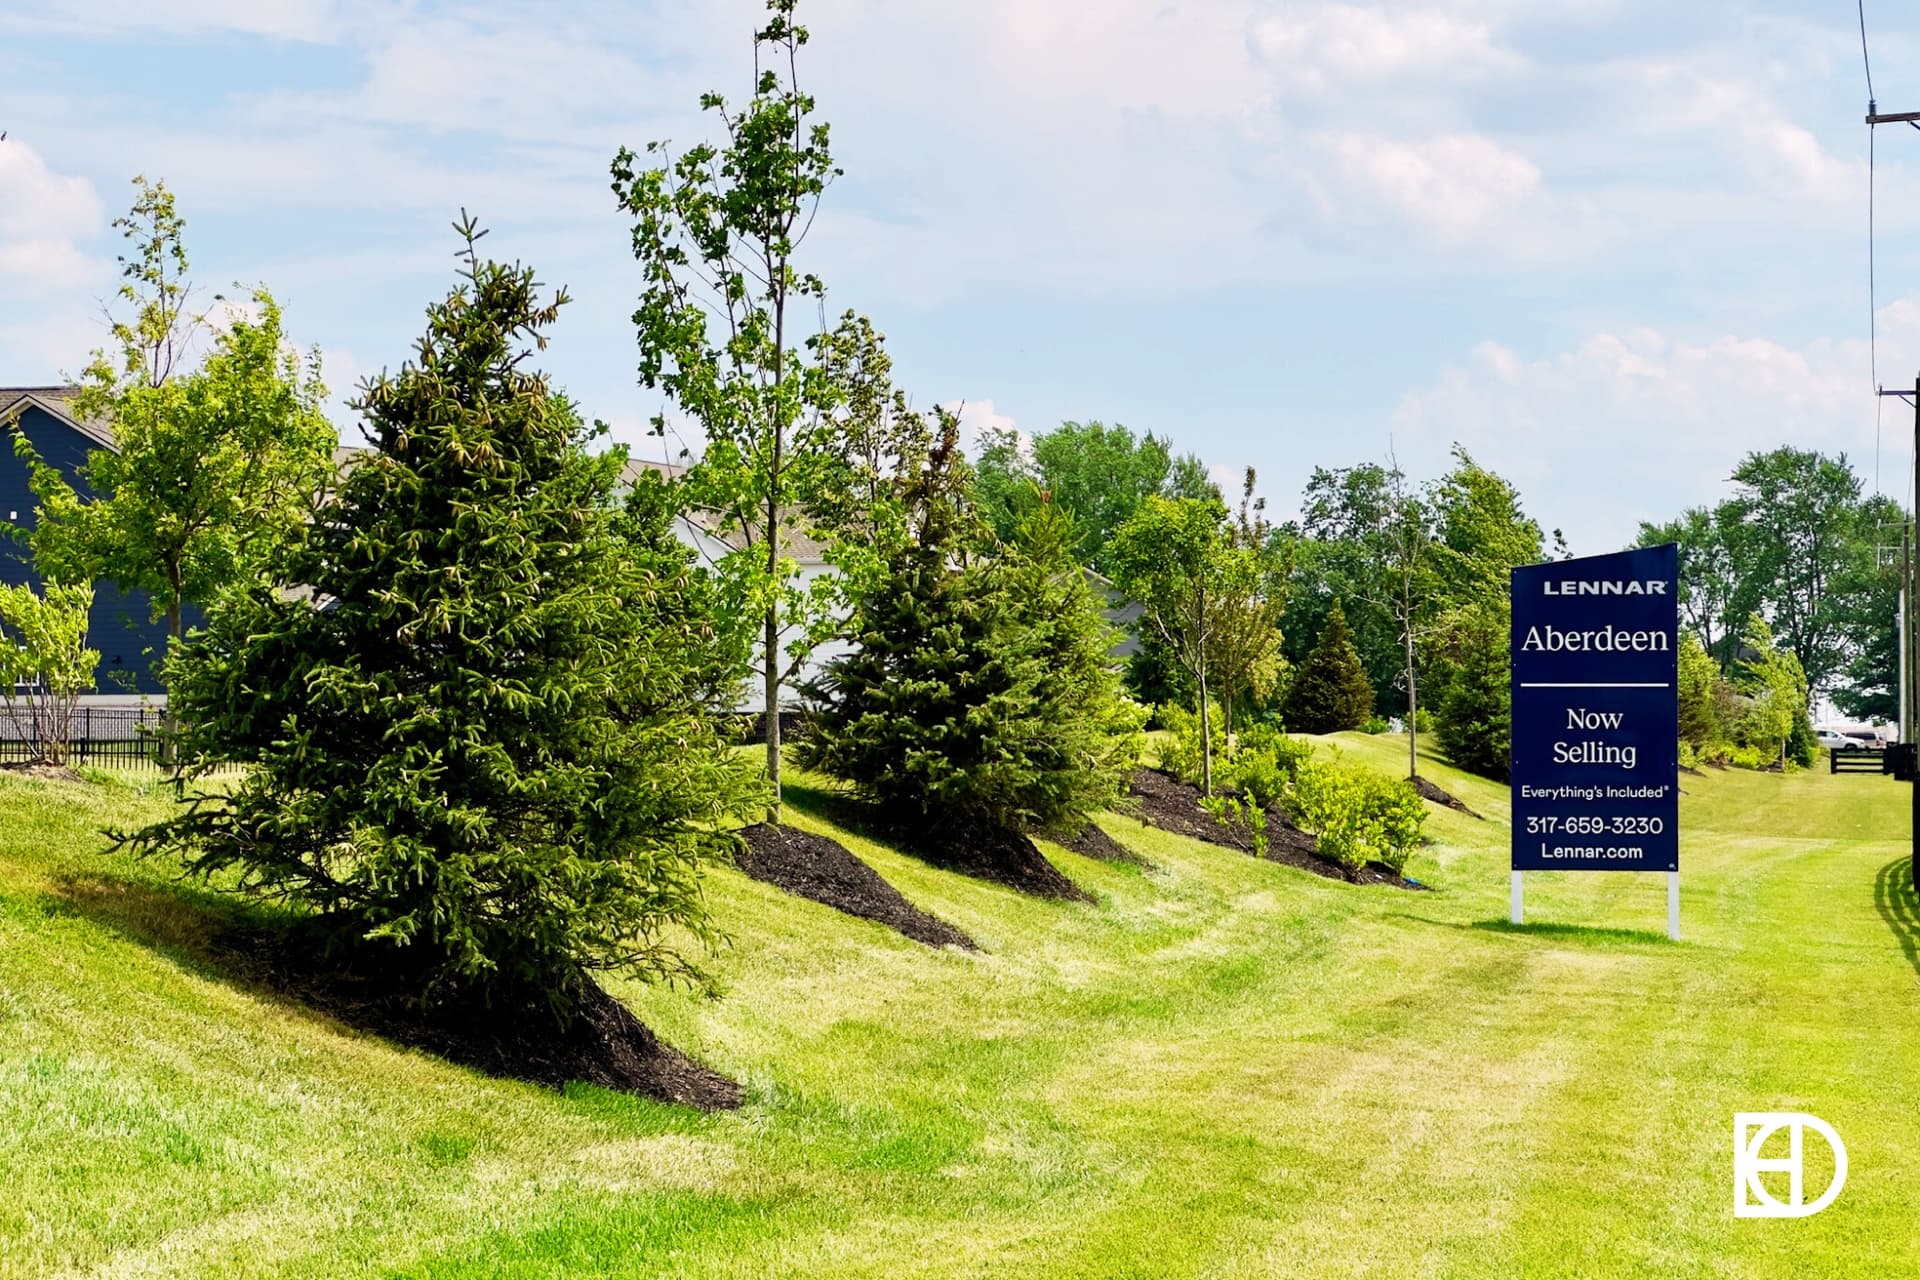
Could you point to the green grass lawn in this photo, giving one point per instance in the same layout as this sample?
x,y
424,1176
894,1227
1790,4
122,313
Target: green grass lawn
x,y
1221,1068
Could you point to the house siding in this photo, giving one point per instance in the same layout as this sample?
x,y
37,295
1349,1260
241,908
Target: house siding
x,y
121,625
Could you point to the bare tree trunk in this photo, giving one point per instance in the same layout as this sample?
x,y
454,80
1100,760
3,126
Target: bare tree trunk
x,y
1413,711
169,722
1206,733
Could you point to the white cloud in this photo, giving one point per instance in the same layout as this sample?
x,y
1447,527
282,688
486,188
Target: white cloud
x,y
1637,425
977,418
1343,43
1457,187
1681,95
309,21
43,218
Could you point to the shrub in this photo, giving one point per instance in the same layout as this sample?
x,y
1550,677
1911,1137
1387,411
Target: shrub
x,y
1180,749
1330,692
1242,813
1377,724
1357,814
1264,764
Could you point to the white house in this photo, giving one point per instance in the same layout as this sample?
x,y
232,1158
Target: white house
x,y
707,534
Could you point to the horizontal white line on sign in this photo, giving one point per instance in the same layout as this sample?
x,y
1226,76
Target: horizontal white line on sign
x,y
1600,684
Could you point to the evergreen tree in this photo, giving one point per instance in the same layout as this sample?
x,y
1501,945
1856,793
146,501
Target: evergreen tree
x,y
972,703
1700,725
470,711
1091,744
1330,692
1473,702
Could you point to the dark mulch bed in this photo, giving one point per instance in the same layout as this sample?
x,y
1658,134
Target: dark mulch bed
x,y
1164,801
1094,841
374,989
1431,791
824,871
1003,857
994,853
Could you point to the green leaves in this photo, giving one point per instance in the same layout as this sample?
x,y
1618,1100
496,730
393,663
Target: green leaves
x,y
213,468
715,230
45,664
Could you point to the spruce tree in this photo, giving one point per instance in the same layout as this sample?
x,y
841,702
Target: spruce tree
x,y
1474,700
961,718
1090,743
1331,691
468,705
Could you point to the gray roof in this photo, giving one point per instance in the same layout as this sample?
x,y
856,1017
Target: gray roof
x,y
798,542
57,401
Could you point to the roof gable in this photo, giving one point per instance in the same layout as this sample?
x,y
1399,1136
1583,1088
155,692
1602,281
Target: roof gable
x,y
56,403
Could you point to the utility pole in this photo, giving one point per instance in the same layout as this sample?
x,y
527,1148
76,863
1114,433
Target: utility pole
x,y
1910,601
1909,746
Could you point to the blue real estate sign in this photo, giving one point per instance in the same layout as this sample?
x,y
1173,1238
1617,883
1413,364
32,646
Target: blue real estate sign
x,y
1596,747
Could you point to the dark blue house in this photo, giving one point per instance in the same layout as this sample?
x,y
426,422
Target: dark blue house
x,y
122,626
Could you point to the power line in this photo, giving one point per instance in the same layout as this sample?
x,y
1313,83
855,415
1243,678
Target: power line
x,y
1861,7
1873,316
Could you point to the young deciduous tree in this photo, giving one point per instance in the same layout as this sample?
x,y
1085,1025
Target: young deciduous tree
x,y
212,468
1775,686
1245,661
212,472
1330,691
472,715
715,231
1173,558
1402,543
45,664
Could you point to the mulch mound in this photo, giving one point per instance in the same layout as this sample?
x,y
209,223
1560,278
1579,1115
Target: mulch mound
x,y
1430,791
1164,801
824,871
995,854
1095,842
40,769
374,989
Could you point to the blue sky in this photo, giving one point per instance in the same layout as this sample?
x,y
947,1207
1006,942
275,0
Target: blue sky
x,y
1607,245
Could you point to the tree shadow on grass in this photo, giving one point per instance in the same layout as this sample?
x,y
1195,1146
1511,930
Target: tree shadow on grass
x,y
319,968
833,804
189,924
1575,932
1894,898
1546,929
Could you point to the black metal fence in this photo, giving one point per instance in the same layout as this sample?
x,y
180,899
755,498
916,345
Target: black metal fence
x,y
1859,760
105,737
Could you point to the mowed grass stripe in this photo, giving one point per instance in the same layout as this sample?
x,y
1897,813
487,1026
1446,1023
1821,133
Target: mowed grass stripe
x,y
1221,1068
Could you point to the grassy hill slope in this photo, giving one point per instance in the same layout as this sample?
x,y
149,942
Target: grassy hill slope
x,y
1220,1068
